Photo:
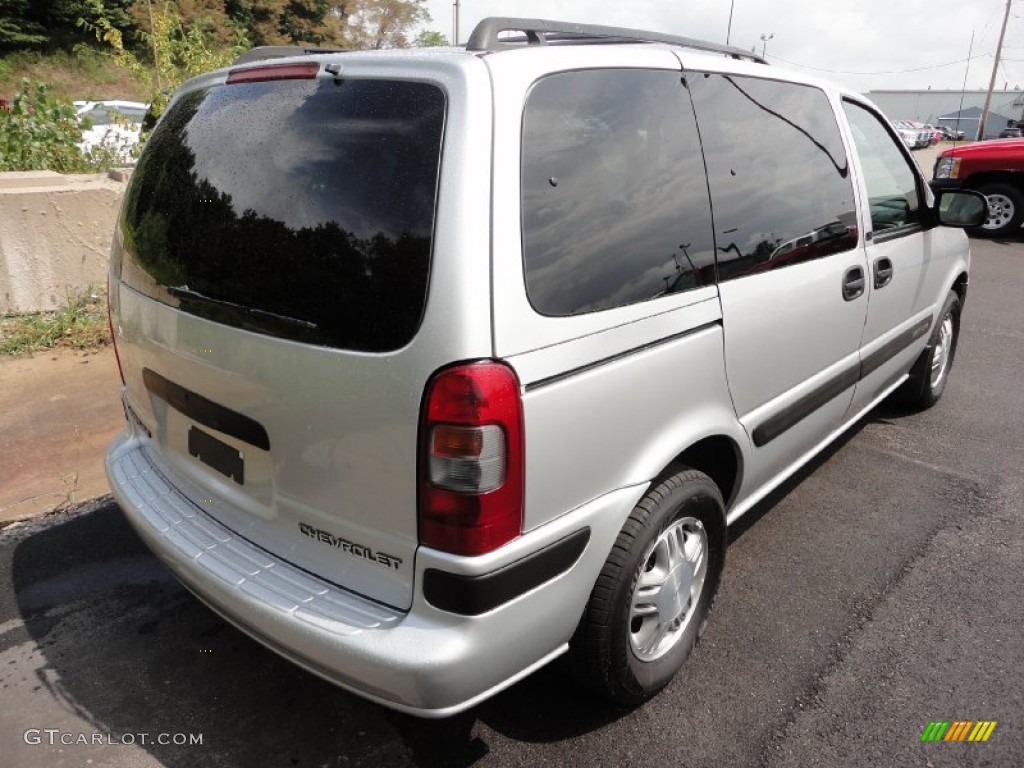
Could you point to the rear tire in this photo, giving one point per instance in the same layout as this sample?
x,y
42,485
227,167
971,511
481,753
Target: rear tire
x,y
651,602
930,373
1005,210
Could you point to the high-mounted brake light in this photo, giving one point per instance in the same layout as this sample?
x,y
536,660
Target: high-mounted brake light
x,y
471,459
305,71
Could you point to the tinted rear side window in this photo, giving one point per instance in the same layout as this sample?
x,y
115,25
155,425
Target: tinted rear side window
x,y
778,173
302,209
614,198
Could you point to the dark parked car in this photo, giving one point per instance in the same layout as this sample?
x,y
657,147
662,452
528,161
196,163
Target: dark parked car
x,y
1011,133
951,134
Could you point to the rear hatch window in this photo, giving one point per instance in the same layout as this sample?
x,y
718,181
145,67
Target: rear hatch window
x,y
301,209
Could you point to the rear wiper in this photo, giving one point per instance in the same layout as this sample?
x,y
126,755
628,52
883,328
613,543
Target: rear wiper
x,y
189,295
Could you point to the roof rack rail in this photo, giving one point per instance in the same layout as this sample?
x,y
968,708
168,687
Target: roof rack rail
x,y
541,31
264,52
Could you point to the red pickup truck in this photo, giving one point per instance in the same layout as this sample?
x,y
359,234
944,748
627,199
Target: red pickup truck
x,y
994,168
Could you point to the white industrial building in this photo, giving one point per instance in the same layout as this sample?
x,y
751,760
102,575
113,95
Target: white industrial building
x,y
953,109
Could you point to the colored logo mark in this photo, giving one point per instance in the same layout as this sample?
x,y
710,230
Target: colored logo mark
x,y
958,730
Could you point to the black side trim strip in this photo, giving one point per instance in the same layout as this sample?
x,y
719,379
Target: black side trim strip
x,y
619,356
890,349
207,412
774,426
805,406
473,595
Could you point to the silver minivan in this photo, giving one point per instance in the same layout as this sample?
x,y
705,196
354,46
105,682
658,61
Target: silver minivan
x,y
439,364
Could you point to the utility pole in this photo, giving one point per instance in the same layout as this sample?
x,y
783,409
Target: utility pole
x,y
995,69
765,37
728,32
458,7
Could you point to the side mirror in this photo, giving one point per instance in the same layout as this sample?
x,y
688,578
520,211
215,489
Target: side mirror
x,y
960,208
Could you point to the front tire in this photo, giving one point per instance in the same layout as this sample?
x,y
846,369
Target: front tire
x,y
1005,210
651,602
930,373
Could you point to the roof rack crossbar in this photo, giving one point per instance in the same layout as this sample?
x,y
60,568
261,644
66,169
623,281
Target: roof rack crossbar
x,y
540,31
264,52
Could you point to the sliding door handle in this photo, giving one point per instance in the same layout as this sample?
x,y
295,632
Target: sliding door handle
x,y
883,272
853,283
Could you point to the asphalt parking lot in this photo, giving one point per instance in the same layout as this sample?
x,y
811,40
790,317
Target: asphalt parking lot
x,y
875,593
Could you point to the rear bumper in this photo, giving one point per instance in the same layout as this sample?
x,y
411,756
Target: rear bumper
x,y
428,662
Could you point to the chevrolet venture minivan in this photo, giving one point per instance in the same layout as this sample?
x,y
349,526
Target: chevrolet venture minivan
x,y
439,364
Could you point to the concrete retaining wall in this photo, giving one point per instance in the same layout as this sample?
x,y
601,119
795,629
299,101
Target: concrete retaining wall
x,y
55,236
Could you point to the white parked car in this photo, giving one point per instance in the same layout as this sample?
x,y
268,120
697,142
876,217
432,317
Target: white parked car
x,y
922,134
908,134
114,124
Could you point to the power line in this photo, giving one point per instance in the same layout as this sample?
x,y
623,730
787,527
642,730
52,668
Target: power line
x,y
881,72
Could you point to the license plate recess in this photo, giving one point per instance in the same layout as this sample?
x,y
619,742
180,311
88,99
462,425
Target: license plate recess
x,y
216,454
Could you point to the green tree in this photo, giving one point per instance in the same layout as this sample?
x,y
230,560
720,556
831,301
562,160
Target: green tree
x,y
260,19
430,38
384,23
17,28
290,22
304,22
178,52
352,23
59,19
211,16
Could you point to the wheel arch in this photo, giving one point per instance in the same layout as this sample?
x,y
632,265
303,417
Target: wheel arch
x,y
977,180
718,456
960,286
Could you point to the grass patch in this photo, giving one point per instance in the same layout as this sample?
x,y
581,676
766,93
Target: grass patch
x,y
81,324
88,75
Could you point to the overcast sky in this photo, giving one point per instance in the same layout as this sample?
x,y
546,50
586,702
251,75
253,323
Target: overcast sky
x,y
864,44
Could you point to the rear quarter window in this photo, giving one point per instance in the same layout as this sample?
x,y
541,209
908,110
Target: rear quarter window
x,y
614,198
302,209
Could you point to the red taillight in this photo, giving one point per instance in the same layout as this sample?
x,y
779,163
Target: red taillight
x,y
471,459
113,336
306,71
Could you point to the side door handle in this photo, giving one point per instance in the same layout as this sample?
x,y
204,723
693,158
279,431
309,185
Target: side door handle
x,y
883,272
853,283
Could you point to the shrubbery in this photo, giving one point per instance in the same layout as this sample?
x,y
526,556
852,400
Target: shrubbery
x,y
40,132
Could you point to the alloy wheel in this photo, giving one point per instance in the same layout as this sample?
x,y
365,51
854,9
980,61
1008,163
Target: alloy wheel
x,y
668,588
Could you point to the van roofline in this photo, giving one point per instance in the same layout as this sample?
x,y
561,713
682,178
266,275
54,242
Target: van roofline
x,y
485,36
